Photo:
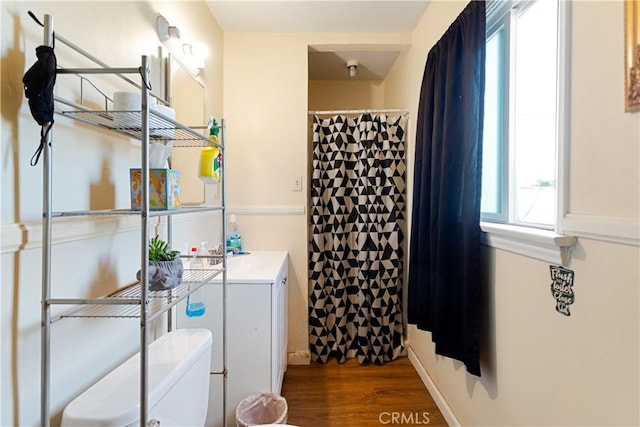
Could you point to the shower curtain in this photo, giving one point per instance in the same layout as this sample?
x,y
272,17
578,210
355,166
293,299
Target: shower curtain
x,y
357,223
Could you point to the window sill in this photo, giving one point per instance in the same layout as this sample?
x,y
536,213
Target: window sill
x,y
535,243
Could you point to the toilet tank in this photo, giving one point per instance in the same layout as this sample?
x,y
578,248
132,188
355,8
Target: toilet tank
x,y
178,386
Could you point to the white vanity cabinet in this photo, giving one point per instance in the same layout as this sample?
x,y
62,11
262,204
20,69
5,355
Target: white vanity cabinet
x,y
256,330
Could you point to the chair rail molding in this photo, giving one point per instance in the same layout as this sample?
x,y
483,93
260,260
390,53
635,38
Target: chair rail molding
x,y
267,209
614,229
28,235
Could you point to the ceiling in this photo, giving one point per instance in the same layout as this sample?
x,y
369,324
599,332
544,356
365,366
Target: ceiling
x,y
328,16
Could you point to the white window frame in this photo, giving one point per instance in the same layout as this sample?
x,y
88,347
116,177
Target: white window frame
x,y
546,245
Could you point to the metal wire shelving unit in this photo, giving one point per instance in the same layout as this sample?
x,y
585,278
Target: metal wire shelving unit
x,y
133,300
125,302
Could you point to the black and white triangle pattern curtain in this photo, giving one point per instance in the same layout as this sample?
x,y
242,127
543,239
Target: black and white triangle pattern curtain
x,y
357,224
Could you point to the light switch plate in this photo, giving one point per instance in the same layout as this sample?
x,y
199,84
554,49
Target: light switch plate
x,y
297,183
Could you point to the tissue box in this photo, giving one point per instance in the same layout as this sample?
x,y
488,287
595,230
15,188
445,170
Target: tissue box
x,y
164,189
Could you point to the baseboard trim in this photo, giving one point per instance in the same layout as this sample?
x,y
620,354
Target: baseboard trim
x,y
442,404
299,358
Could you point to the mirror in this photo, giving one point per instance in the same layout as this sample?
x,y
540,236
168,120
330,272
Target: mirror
x,y
632,55
186,96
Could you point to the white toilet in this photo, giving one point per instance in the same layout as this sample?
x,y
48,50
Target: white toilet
x,y
178,386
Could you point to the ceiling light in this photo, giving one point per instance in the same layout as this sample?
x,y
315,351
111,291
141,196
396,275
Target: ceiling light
x,y
352,65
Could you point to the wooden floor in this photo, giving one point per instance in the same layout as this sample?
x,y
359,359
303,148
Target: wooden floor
x,y
352,395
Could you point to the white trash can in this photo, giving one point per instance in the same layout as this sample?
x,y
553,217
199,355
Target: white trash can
x,y
261,408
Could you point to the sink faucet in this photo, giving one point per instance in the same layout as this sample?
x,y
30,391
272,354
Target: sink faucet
x,y
217,251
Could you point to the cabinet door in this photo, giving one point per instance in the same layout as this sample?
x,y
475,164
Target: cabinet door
x,y
248,343
279,348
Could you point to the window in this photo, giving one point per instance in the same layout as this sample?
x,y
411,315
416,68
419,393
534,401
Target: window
x,y
519,179
523,148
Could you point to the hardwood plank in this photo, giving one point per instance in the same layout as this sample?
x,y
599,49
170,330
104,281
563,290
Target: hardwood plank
x,y
353,395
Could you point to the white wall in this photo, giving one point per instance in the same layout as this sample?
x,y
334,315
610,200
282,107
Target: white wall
x,y
90,256
539,367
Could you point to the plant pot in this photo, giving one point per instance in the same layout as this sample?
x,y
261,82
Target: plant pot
x,y
164,275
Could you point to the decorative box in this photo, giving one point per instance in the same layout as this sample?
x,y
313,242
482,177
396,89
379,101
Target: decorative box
x,y
164,189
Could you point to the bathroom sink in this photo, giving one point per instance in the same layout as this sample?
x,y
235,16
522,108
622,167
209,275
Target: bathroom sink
x,y
247,262
255,267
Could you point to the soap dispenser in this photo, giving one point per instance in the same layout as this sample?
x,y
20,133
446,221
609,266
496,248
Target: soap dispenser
x,y
204,253
234,239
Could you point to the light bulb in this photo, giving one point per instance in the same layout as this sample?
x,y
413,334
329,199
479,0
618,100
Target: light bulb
x,y
352,65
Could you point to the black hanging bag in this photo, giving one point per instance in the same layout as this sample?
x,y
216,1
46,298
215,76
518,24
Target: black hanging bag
x,y
39,81
38,85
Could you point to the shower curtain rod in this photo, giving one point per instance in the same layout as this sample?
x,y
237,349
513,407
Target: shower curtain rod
x,y
313,113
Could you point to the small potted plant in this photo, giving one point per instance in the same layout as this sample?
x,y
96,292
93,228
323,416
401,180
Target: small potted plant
x,y
165,267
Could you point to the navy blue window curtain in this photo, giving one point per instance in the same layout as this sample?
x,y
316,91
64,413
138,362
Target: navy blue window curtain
x,y
445,270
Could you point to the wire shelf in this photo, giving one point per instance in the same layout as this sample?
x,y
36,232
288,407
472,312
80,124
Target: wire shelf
x,y
152,213
161,128
126,303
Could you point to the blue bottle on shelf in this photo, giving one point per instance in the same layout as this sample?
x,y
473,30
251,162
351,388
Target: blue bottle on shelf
x,y
195,305
195,300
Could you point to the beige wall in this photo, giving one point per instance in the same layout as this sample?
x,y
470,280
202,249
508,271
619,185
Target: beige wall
x,y
90,256
541,368
605,178
346,94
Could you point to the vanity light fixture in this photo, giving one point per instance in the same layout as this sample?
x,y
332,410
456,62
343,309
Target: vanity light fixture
x,y
190,54
194,55
166,31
